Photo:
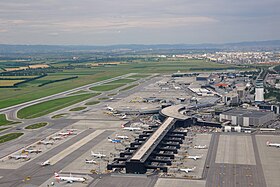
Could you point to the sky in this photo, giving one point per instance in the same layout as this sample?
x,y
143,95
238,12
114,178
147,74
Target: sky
x,y
107,22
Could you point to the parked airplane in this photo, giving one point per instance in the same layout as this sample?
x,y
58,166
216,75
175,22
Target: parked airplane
x,y
56,138
70,179
17,157
131,128
195,157
46,163
114,140
90,161
45,142
66,133
273,144
30,150
187,170
123,116
110,108
121,137
200,147
98,155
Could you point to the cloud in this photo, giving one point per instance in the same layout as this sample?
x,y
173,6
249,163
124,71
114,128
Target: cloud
x,y
161,21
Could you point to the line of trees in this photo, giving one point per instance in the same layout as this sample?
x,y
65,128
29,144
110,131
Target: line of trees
x,y
58,80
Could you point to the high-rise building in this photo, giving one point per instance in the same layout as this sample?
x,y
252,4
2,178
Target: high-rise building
x,y
259,91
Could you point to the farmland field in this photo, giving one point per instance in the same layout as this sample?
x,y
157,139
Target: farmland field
x,y
9,82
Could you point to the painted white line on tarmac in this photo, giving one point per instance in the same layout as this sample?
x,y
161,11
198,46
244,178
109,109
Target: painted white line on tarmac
x,y
53,160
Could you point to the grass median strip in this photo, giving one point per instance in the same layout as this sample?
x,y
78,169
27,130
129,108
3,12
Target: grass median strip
x,y
9,137
36,125
129,87
59,116
78,108
2,129
4,121
47,107
92,103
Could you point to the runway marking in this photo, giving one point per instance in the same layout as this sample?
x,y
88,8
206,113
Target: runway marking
x,y
235,150
53,160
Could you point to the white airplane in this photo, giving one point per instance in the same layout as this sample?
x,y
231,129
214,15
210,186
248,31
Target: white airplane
x,y
110,108
56,138
17,157
45,142
187,170
200,147
131,128
30,150
90,161
273,144
69,179
98,155
195,157
72,130
121,137
46,163
114,140
66,133
123,116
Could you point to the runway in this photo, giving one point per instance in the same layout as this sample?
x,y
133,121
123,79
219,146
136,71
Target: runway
x,y
231,170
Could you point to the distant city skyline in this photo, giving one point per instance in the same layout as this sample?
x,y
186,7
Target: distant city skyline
x,y
109,22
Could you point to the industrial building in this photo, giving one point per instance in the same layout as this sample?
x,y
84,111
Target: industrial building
x,y
246,117
231,99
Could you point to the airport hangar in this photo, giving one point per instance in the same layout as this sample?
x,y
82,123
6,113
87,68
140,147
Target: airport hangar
x,y
155,149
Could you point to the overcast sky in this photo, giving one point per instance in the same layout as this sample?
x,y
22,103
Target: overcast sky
x,y
104,22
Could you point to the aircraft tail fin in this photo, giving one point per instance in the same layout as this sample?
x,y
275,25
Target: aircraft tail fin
x,y
56,174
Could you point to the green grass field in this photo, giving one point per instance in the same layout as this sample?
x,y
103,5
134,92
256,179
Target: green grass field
x,y
106,87
103,98
47,107
78,108
92,103
25,92
4,121
36,125
10,136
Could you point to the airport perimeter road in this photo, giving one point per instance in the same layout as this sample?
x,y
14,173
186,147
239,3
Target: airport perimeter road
x,y
11,111
40,174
